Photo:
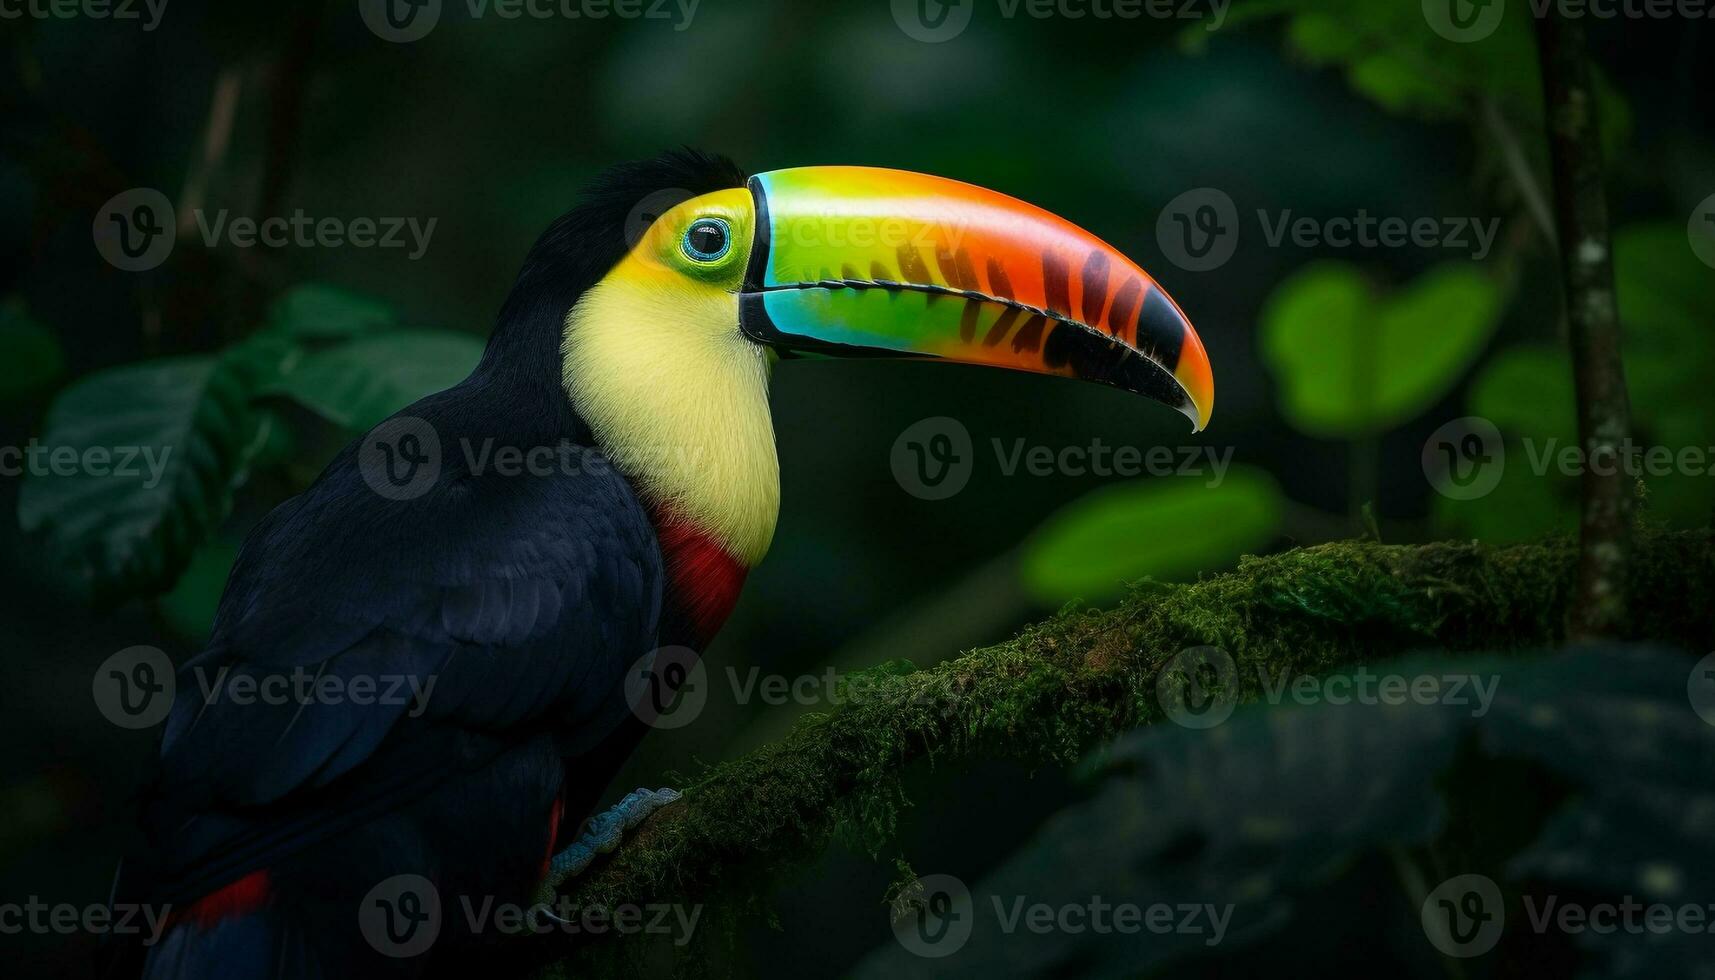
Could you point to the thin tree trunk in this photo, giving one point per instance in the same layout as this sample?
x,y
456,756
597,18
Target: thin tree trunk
x,y
1586,255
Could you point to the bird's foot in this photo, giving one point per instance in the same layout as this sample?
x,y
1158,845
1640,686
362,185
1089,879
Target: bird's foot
x,y
605,830
601,835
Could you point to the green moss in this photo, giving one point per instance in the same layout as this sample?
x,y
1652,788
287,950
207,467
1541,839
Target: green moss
x,y
1074,681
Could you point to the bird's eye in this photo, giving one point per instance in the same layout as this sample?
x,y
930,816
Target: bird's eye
x,y
707,239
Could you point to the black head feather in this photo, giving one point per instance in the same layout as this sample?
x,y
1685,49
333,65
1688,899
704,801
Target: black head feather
x,y
582,246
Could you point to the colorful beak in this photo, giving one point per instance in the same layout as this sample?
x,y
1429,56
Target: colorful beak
x,y
856,261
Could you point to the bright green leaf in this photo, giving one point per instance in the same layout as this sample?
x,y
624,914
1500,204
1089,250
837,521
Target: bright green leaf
x,y
1527,390
1165,529
1351,363
1399,86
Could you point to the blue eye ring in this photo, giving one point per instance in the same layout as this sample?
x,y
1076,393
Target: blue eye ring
x,y
707,239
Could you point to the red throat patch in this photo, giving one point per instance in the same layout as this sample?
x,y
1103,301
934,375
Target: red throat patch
x,y
242,897
703,579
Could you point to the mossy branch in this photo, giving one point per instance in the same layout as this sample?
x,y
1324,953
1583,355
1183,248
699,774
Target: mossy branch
x,y
1069,684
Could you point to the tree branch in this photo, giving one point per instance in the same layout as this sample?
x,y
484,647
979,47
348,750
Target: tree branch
x,y
1069,684
1587,266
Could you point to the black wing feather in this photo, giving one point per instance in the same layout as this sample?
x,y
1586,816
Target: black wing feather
x,y
520,598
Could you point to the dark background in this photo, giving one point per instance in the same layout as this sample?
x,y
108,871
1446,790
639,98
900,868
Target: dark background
x,y
492,126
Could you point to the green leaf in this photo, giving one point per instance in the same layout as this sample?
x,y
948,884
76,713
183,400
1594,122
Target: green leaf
x,y
1164,528
1399,86
1666,295
32,354
1666,309
1392,56
1527,390
358,384
317,311
1352,363
137,464
189,608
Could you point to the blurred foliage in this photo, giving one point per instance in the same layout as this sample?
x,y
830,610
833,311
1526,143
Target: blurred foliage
x,y
32,355
1324,828
1389,56
177,435
360,383
1667,305
205,422
1352,360
1161,529
188,609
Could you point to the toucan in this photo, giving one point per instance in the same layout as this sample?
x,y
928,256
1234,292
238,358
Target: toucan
x,y
638,341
